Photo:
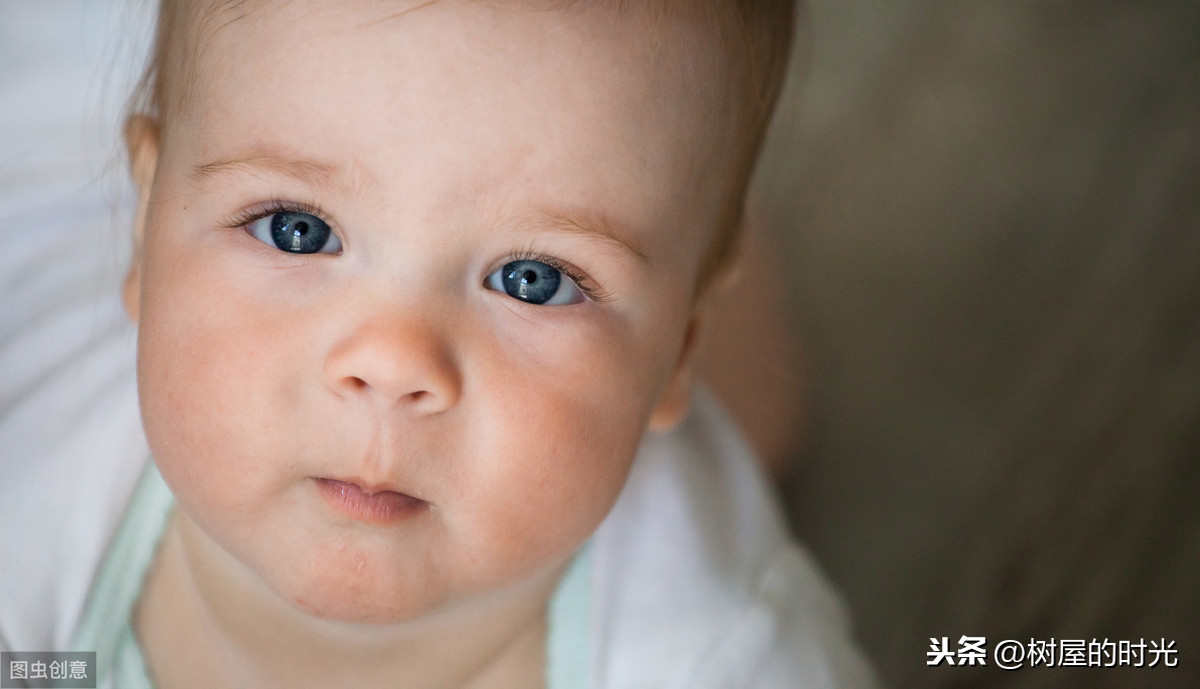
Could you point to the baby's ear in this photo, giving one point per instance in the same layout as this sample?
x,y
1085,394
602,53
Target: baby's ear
x,y
721,271
141,141
675,399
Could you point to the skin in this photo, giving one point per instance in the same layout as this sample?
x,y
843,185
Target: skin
x,y
438,142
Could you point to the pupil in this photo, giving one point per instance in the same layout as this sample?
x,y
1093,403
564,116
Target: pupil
x,y
529,277
301,228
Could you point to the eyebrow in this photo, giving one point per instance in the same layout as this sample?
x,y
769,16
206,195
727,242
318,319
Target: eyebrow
x,y
315,172
596,225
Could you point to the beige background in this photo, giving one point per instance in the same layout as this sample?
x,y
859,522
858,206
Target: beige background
x,y
991,216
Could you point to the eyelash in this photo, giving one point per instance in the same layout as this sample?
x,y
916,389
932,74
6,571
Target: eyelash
x,y
244,218
588,286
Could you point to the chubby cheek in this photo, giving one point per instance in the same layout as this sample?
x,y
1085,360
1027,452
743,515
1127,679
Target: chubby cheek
x,y
215,370
205,385
556,451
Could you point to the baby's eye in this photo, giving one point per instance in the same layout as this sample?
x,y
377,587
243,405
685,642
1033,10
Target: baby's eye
x,y
535,282
295,232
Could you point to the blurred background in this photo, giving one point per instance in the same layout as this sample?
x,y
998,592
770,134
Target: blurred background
x,y
983,232
967,337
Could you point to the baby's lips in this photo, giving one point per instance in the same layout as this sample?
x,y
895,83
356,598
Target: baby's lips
x,y
371,504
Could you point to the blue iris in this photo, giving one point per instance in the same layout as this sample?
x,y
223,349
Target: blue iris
x,y
299,233
535,282
531,281
295,232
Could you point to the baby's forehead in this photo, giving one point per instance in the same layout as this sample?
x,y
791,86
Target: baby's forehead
x,y
568,104
684,41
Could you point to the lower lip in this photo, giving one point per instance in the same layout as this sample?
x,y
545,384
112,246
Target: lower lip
x,y
384,507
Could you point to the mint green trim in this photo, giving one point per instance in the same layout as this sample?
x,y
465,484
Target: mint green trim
x,y
569,638
106,623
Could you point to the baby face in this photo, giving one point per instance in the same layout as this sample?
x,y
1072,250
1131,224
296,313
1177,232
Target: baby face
x,y
412,285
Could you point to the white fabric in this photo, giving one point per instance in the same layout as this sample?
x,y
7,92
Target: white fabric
x,y
696,583
70,436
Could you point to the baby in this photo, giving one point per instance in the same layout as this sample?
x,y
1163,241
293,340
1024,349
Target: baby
x,y
413,282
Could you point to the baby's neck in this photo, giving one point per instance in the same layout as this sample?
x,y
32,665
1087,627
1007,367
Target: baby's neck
x,y
205,620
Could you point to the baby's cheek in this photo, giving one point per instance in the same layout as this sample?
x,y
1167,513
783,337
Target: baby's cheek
x,y
205,419
551,470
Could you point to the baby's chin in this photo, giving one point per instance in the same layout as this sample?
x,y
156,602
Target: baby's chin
x,y
377,611
353,593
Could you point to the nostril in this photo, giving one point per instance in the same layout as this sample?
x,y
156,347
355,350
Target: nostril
x,y
356,384
393,366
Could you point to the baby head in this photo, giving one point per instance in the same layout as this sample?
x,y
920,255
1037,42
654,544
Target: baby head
x,y
412,279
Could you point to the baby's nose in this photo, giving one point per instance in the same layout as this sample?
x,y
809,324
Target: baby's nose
x,y
403,363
